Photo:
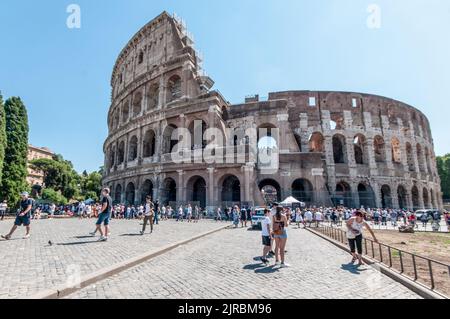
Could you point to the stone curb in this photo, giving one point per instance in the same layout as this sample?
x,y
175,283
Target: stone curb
x,y
64,291
408,283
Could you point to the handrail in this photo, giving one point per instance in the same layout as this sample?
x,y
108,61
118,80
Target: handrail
x,y
376,252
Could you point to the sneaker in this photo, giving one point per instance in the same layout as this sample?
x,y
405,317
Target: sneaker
x,y
142,233
264,260
6,237
103,238
277,263
26,236
284,265
92,234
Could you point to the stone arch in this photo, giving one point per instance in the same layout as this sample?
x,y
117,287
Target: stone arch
x,y
270,190
118,194
402,195
344,194
169,191
396,150
410,157
149,144
198,127
140,57
121,153
133,148
316,143
130,194
153,97
379,149
428,161
146,190
303,190
230,192
415,197
360,149
112,156
420,158
298,140
168,143
339,149
174,88
366,195
386,196
267,138
137,104
116,121
125,112
196,190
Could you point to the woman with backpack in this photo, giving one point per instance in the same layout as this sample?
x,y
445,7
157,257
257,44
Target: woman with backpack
x,y
279,233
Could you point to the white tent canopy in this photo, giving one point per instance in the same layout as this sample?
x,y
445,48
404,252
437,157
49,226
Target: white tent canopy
x,y
291,200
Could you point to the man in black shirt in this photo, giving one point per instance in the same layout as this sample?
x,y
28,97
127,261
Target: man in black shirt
x,y
105,215
23,217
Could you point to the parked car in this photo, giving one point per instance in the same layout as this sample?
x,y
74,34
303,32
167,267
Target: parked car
x,y
257,218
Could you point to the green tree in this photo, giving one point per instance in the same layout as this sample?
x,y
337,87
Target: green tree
x,y
443,166
52,196
91,185
2,136
15,164
59,175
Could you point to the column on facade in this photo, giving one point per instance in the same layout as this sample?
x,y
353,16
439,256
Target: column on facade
x,y
210,202
127,146
355,194
181,187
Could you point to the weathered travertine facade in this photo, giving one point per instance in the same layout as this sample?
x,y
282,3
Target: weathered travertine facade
x,y
334,147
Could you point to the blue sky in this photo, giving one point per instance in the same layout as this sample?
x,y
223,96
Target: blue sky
x,y
249,47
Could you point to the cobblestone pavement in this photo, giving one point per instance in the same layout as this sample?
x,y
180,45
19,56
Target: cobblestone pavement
x,y
30,266
224,265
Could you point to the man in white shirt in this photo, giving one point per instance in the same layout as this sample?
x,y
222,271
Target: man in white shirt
x,y
148,215
308,217
3,208
318,217
266,233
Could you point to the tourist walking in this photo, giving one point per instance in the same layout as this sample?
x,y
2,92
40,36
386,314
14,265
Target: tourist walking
x,y
23,216
280,224
3,208
308,217
236,215
266,236
104,216
299,218
148,215
243,218
355,227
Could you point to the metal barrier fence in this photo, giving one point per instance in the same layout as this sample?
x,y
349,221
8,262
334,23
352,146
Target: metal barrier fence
x,y
432,274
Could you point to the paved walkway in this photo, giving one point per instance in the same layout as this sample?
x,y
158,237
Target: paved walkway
x,y
30,266
223,265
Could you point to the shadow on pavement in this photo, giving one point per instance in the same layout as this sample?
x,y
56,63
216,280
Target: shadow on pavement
x,y
354,269
132,235
78,243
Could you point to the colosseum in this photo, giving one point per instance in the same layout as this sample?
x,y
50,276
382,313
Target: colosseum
x,y
332,148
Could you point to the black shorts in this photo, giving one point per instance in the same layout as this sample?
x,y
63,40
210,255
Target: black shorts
x,y
266,241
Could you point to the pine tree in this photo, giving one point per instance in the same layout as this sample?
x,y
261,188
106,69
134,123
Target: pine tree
x,y
2,136
15,164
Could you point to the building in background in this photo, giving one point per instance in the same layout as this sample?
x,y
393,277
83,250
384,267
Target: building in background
x,y
37,177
